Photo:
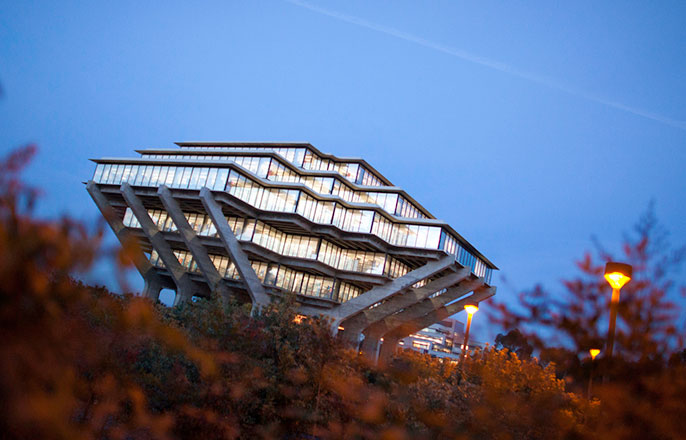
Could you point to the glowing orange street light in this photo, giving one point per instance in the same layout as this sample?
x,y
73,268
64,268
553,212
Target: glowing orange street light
x,y
594,352
617,275
471,309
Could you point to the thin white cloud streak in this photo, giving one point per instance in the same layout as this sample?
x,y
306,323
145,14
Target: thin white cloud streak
x,y
492,64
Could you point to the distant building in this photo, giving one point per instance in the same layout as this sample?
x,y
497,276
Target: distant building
x,y
257,220
443,339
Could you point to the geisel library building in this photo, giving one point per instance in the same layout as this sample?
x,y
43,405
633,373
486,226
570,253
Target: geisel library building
x,y
259,220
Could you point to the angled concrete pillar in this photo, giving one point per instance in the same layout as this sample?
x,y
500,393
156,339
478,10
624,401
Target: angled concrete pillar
x,y
388,347
388,290
202,259
370,345
393,337
418,311
184,285
252,283
147,270
359,322
152,289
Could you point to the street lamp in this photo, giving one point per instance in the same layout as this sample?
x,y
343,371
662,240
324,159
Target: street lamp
x,y
617,275
471,309
594,352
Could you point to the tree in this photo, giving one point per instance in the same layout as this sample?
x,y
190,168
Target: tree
x,y
639,397
515,342
576,320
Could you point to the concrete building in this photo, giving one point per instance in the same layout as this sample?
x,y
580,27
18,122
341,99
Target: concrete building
x,y
257,220
442,339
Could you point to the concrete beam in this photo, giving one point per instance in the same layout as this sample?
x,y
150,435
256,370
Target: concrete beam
x,y
252,283
429,305
479,295
388,290
184,285
379,329
147,270
192,241
392,338
404,300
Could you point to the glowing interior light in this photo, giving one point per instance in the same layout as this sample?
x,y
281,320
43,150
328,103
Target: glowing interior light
x,y
471,308
617,279
340,328
594,352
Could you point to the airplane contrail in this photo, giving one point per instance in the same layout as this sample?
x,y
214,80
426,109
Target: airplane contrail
x,y
490,63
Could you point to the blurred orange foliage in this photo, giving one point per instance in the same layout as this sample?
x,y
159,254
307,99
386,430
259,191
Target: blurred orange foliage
x,y
81,362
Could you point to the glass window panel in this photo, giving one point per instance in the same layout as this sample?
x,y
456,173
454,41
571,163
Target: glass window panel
x,y
106,173
263,166
270,277
98,172
195,175
220,181
177,173
248,230
120,174
433,238
126,174
116,173
202,179
112,178
422,233
154,175
185,177
297,282
211,177
365,222
298,156
140,174
147,172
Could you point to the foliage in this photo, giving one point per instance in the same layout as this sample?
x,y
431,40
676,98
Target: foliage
x,y
81,362
639,384
516,342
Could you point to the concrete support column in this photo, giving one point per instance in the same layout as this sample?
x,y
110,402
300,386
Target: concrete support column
x,y
147,270
252,283
197,249
370,345
152,289
184,285
359,322
388,290
388,348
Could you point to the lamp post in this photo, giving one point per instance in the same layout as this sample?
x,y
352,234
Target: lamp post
x,y
617,275
471,309
594,352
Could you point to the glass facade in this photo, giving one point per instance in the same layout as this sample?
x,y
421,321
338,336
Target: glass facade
x,y
298,201
272,274
156,175
273,170
299,246
309,160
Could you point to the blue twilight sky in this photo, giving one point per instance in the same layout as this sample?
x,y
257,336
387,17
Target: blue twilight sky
x,y
528,126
